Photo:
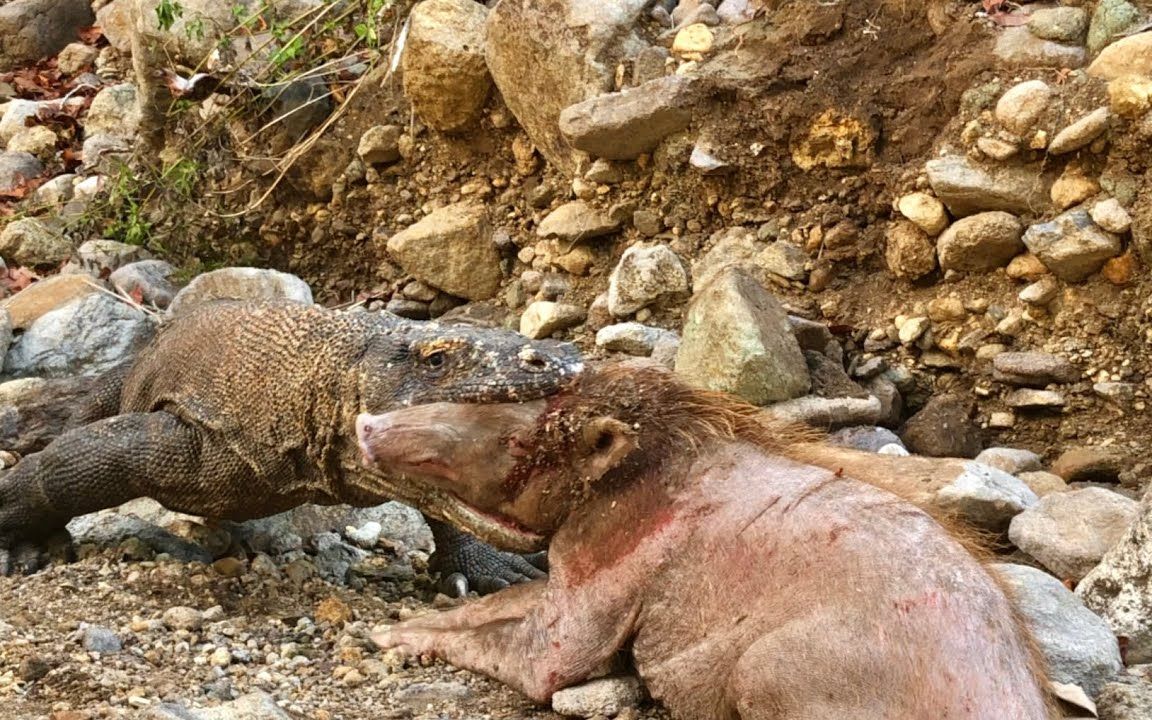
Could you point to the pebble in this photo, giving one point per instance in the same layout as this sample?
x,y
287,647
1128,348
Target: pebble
x,y
543,317
643,276
365,536
1042,292
1081,133
1110,215
605,697
1089,464
1071,245
1026,399
101,639
633,338
380,144
925,210
913,329
1033,369
1011,460
182,618
576,221
981,242
693,41
1072,188
1022,105
1026,266
997,149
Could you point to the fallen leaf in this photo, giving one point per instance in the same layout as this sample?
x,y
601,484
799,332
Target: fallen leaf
x,y
92,35
18,278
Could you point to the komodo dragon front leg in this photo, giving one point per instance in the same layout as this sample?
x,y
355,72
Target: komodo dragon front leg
x,y
102,465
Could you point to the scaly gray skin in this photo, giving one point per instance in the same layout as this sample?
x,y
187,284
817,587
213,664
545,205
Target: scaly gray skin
x,y
243,410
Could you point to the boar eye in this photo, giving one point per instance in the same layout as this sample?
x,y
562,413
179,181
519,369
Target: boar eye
x,y
603,442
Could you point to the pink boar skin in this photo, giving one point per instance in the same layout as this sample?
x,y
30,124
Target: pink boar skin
x,y
748,584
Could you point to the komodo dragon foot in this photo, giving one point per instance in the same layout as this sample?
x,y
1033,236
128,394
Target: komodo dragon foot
x,y
464,563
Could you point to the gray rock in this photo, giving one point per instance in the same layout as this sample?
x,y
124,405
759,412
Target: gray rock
x,y
828,413
1022,105
981,242
15,117
254,706
148,278
1033,369
31,241
284,533
1129,699
445,77
1119,588
76,57
85,337
570,61
1071,245
1111,215
1042,292
624,125
35,29
577,221
1011,460
106,154
366,536
114,112
1026,399
56,192
864,437
420,694
138,523
1109,20
1081,133
16,168
942,428
240,283
101,639
1059,24
1016,47
643,276
783,259
986,497
605,697
380,144
1077,643
736,338
182,617
1070,532
705,158
633,338
733,246
543,317
100,257
967,188
334,557
607,172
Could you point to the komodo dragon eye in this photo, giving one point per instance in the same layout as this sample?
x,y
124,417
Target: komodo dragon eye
x,y
436,359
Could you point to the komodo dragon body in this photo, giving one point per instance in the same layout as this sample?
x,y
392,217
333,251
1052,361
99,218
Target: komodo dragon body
x,y
242,410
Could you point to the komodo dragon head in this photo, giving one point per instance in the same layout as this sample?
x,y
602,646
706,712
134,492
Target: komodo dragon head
x,y
459,363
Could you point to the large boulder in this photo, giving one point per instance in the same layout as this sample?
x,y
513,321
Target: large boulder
x,y
1119,588
1070,532
737,339
1078,645
451,249
546,55
445,77
34,29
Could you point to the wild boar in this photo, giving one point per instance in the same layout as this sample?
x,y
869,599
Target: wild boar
x,y
746,584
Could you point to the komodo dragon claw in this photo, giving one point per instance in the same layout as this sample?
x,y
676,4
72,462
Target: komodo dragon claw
x,y
464,564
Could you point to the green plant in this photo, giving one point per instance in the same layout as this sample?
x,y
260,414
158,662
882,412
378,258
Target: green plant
x,y
181,176
368,31
168,12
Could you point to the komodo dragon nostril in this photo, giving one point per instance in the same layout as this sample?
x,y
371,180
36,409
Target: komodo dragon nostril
x,y
531,360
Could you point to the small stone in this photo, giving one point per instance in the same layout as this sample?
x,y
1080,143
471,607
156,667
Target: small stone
x,y
1071,245
1017,47
926,211
865,437
1001,420
980,242
1111,216
229,567
704,158
784,260
605,172
967,188
1033,369
1041,292
1117,392
1026,266
75,58
605,697
146,279
644,275
1035,399
997,149
1070,532
693,41
30,241
451,249
220,657
1110,20
1121,270
365,536
913,329
31,303
1130,96
576,221
543,317
1060,24
380,144
1089,464
334,611
100,258
633,338
101,639
1011,460
37,140
946,309
736,338
1081,133
182,618
986,497
626,124
942,428
1022,105
1043,483
1072,188
909,251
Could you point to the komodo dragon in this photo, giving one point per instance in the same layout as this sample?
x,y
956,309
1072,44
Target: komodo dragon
x,y
242,410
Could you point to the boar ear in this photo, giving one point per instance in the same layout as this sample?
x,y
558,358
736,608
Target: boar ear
x,y
606,442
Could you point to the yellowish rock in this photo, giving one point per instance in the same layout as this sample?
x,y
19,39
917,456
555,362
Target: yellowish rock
x,y
835,140
44,296
1127,56
693,41
1130,96
1073,188
924,210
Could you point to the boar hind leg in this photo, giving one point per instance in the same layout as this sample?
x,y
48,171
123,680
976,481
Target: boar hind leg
x,y
524,636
